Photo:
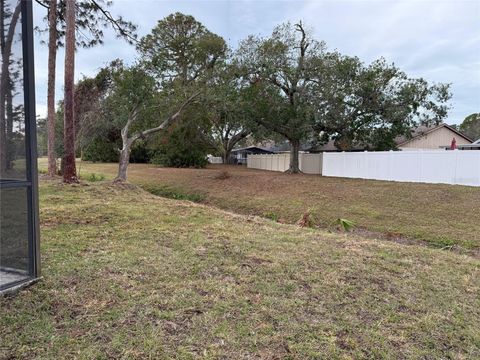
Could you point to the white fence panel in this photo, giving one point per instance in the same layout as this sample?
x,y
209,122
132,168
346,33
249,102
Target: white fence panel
x,y
405,167
447,167
215,160
465,170
270,163
309,163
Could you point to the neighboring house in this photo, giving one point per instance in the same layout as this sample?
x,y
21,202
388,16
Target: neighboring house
x,y
422,138
436,137
473,146
239,156
330,147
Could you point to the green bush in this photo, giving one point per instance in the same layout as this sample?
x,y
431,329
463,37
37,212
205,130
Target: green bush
x,y
180,160
101,150
181,147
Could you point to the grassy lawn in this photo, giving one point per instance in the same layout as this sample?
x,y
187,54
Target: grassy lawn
x,y
131,275
442,215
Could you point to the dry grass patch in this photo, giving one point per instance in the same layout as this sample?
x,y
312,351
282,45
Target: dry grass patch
x,y
444,216
170,279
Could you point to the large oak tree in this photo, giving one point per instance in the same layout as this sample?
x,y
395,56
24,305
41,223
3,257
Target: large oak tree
x,y
369,106
283,68
229,110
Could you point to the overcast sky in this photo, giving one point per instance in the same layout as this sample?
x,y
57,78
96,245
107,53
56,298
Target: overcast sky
x,y
436,40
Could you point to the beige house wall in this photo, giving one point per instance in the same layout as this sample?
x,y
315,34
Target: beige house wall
x,y
433,140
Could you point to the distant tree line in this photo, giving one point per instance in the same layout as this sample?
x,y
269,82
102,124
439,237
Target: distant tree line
x,y
471,126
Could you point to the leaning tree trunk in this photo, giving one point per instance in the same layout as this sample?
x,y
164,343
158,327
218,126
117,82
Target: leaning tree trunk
x,y
229,144
127,141
52,58
70,171
294,162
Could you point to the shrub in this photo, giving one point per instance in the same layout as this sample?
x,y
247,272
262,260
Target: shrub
x,y
181,146
180,159
101,150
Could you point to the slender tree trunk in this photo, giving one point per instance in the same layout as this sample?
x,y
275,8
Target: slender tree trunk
x,y
70,171
2,123
7,141
4,79
52,59
294,162
10,153
123,164
127,142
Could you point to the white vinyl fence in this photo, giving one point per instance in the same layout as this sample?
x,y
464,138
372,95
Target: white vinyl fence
x,y
309,163
460,167
215,160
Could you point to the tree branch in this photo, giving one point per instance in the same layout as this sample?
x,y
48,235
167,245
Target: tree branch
x,y
42,4
237,137
115,23
165,124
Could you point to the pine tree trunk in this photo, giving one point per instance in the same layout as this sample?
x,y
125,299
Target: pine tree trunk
x,y
294,162
123,164
10,153
52,59
70,171
3,150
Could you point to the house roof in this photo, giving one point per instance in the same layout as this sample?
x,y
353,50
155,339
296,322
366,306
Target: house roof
x,y
329,146
252,148
424,130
